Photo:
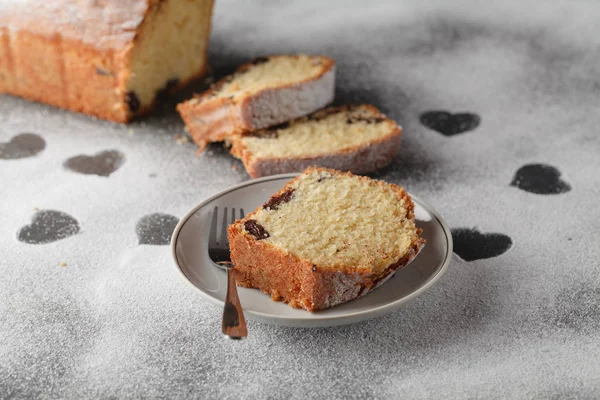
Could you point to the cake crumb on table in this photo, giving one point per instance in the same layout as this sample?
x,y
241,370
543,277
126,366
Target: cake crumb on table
x,y
182,139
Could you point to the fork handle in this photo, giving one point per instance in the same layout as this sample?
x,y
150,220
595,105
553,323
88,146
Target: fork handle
x,y
234,323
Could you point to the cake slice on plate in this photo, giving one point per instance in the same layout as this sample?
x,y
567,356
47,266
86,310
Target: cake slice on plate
x,y
359,139
262,93
325,238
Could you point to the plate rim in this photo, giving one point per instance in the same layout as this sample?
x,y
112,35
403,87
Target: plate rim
x,y
314,322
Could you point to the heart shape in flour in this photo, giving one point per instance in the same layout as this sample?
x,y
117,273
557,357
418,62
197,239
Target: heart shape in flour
x,y
540,179
156,229
449,124
48,226
101,164
22,146
470,244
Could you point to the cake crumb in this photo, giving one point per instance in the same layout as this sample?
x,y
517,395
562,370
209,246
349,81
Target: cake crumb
x,y
130,131
36,209
63,264
182,139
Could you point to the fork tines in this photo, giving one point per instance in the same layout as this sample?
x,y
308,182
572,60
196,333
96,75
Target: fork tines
x,y
221,241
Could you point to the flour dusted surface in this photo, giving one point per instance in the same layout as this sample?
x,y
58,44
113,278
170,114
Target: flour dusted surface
x,y
118,321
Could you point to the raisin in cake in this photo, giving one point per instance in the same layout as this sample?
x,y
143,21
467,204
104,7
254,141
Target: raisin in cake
x,y
358,139
324,239
262,93
111,58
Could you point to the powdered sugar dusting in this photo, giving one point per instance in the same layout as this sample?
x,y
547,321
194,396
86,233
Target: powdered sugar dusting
x,y
109,24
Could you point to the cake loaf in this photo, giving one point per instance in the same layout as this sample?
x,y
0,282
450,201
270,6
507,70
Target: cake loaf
x,y
325,238
358,139
262,93
112,58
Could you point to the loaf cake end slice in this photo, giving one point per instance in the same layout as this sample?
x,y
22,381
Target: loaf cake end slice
x,y
114,59
169,51
359,139
325,238
262,93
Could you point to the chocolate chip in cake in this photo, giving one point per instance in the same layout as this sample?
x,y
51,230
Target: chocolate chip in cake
x,y
267,134
368,120
133,101
275,201
283,125
162,94
256,229
322,114
172,84
260,60
314,268
323,176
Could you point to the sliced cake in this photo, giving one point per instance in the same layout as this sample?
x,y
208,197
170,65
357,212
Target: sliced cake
x,y
359,139
325,238
262,93
112,58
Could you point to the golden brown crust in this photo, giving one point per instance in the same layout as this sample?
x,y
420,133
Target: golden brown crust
x,y
53,60
106,25
214,120
81,64
297,282
358,159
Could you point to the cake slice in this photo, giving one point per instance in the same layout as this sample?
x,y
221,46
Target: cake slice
x,y
325,238
359,139
262,93
114,59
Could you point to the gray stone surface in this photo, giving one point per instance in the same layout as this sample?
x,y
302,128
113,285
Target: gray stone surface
x,y
118,320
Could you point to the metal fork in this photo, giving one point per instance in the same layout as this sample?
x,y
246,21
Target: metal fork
x,y
234,323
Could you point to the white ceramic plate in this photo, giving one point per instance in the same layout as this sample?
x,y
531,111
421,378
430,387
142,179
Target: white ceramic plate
x,y
189,246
